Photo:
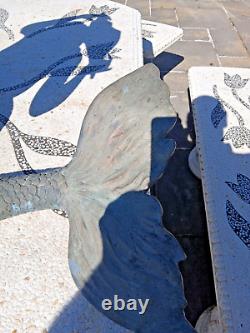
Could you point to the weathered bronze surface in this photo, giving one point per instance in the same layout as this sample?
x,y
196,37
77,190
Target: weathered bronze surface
x,y
117,244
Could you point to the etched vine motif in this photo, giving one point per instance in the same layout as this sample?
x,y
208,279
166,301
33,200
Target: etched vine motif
x,y
39,144
237,222
72,15
239,135
4,15
99,51
148,33
106,10
242,189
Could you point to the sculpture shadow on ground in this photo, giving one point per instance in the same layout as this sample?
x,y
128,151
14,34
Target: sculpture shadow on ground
x,y
167,61
51,52
180,188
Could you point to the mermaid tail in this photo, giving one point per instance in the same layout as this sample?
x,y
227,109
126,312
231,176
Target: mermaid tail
x,y
117,244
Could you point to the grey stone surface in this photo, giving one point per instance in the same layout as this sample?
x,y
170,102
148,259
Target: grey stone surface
x,y
140,5
198,53
168,60
177,82
197,16
195,34
164,15
157,37
227,42
235,61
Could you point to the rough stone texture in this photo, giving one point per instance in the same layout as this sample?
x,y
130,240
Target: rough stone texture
x,y
198,53
165,15
157,37
166,61
196,34
220,99
209,322
194,16
38,295
177,83
235,61
227,42
140,5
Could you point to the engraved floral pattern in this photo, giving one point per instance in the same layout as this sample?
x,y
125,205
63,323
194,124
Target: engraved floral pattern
x,y
238,223
39,144
242,188
148,33
234,81
106,10
99,51
68,19
218,113
238,135
4,15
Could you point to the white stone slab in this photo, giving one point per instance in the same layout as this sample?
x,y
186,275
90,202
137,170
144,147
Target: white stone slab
x,y
44,92
221,108
209,322
157,37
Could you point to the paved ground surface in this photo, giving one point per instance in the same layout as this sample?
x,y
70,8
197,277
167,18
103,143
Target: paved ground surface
x,y
216,33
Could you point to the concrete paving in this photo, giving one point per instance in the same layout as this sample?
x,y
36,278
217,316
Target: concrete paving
x,y
216,33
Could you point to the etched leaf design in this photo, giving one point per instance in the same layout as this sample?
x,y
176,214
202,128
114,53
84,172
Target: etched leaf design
x,y
48,146
113,53
98,51
239,136
234,81
75,70
242,188
72,15
147,33
106,10
20,155
239,225
4,15
218,113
